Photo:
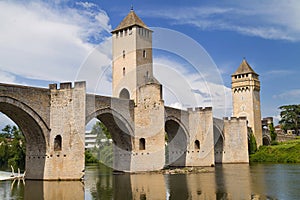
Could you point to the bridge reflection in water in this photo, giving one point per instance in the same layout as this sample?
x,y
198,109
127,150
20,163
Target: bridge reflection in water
x,y
226,182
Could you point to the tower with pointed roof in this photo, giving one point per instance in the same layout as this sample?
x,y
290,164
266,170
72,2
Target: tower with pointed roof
x,y
246,98
133,79
132,57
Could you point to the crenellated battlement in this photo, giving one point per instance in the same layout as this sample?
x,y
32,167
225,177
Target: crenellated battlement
x,y
67,85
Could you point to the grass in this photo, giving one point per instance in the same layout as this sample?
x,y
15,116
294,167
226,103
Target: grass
x,y
283,152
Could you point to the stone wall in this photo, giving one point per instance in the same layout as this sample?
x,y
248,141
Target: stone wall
x,y
200,129
65,152
149,133
235,144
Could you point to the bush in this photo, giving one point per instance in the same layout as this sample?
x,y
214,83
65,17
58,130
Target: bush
x,y
284,152
89,157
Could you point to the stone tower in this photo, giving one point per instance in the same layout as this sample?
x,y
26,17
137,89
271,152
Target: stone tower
x,y
133,79
132,57
246,98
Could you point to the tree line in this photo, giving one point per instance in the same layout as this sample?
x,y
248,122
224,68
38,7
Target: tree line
x,y
12,148
290,118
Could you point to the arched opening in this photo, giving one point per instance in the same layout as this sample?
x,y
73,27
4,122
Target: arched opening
x,y
176,144
219,143
124,94
33,130
142,144
114,142
57,143
197,145
266,140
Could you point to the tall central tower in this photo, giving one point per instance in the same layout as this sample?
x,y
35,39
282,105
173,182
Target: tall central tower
x,y
132,57
246,98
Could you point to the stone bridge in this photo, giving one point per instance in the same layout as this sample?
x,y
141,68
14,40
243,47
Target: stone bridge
x,y
146,136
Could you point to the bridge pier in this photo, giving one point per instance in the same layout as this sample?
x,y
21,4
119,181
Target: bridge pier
x,y
64,159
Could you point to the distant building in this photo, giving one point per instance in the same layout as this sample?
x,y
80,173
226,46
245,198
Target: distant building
x,y
90,140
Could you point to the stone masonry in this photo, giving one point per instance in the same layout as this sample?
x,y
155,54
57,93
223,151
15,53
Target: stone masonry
x,y
146,134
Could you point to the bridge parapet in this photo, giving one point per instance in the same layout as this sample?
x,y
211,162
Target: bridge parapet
x,y
35,99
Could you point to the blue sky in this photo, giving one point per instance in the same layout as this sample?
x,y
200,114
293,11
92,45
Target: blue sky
x,y
54,41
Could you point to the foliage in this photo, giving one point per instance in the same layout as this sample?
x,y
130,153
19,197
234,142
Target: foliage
x,y
284,152
290,117
104,151
252,146
274,143
89,157
272,132
12,148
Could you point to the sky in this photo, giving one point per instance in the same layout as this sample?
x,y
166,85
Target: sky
x,y
197,46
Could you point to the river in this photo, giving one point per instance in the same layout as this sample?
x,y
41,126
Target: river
x,y
259,181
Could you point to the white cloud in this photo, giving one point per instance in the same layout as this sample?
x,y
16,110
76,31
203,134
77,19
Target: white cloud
x,y
44,42
4,120
270,19
289,95
7,77
184,89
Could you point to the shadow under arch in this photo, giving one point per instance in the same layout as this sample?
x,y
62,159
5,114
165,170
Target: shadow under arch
x,y
177,142
121,134
124,94
218,140
35,132
266,140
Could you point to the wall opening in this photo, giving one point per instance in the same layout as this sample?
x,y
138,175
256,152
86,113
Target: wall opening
x,y
197,144
124,71
142,145
176,144
112,139
123,53
124,94
57,143
144,54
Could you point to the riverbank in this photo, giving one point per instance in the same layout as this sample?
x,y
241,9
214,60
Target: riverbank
x,y
283,152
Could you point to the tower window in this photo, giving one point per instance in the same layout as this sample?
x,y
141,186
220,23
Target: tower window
x,y
124,71
197,144
142,144
57,143
124,94
125,32
123,53
144,53
130,31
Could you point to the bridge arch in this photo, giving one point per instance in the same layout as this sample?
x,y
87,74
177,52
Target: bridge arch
x,y
218,140
35,130
177,138
122,135
266,140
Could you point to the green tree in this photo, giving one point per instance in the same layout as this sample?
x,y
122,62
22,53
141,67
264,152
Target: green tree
x,y
273,134
12,148
252,145
105,149
290,117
